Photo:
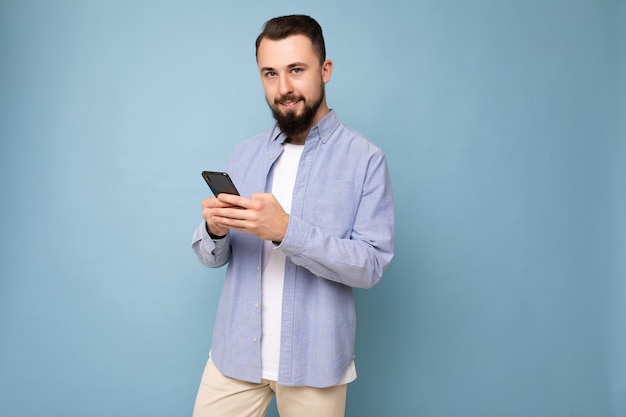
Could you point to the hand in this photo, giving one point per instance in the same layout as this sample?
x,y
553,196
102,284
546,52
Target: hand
x,y
261,215
208,207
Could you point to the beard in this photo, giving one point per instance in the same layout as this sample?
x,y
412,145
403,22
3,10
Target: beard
x,y
292,124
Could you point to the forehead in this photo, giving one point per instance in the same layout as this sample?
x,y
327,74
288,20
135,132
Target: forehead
x,y
284,52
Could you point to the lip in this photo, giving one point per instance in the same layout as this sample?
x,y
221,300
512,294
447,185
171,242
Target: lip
x,y
290,104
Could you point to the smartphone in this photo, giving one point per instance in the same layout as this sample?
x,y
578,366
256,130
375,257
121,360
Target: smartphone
x,y
219,182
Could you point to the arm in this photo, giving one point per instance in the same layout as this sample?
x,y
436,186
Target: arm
x,y
211,242
211,252
356,260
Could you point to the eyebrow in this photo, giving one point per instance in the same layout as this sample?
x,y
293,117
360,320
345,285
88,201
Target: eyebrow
x,y
290,66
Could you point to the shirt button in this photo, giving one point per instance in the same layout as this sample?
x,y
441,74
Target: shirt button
x,y
256,305
254,339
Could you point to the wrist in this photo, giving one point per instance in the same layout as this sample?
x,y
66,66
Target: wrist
x,y
212,235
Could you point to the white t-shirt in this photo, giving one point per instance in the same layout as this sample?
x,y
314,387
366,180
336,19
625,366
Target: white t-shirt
x,y
285,172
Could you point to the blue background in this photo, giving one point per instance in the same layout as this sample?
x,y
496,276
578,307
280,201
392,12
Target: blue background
x,y
504,123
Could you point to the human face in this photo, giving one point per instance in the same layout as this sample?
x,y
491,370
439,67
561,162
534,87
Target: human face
x,y
293,80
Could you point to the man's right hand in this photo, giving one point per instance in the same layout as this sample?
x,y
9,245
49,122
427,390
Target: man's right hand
x,y
214,228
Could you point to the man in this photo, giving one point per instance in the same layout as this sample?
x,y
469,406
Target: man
x,y
318,222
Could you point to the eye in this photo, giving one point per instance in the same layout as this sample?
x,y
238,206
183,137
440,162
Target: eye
x,y
296,70
270,74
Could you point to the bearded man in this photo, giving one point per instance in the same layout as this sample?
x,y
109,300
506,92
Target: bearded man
x,y
314,220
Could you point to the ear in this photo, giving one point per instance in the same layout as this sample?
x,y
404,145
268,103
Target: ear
x,y
327,70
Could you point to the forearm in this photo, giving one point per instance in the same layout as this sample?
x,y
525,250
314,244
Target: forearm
x,y
358,263
211,252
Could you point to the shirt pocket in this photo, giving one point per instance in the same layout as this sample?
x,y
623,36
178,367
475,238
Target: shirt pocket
x,y
332,206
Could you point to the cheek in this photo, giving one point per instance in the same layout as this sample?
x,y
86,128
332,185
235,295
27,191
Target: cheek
x,y
313,93
269,93
303,88
268,86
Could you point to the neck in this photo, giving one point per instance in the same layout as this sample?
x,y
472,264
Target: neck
x,y
298,139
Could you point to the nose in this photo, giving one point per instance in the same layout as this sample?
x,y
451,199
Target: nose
x,y
284,86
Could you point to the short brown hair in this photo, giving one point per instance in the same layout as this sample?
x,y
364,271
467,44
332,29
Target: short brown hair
x,y
282,27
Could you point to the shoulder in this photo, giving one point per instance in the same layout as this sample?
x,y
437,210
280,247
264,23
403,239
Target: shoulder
x,y
258,140
253,146
340,134
354,142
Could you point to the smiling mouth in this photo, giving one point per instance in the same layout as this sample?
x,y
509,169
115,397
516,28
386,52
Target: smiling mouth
x,y
290,102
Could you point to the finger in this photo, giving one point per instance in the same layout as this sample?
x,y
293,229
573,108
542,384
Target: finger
x,y
213,202
232,213
233,200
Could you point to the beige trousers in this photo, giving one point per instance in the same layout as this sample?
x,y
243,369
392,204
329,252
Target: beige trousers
x,y
220,396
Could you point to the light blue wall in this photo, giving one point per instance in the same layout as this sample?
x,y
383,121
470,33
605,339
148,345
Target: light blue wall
x,y
504,126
